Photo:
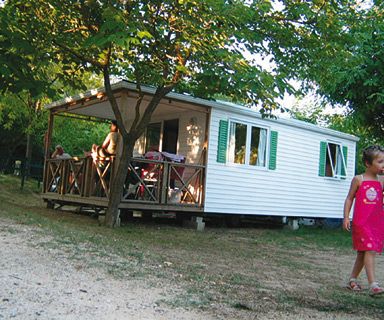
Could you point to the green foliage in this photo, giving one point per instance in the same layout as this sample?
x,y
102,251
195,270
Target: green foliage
x,y
17,120
77,136
29,78
25,67
18,68
197,46
355,75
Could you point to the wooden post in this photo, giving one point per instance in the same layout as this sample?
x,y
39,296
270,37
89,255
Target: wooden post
x,y
82,189
205,158
47,144
63,176
164,183
88,171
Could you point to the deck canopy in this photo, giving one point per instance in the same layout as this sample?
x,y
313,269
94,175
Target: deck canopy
x,y
94,103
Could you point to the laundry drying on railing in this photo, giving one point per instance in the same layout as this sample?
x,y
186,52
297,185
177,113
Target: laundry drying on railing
x,y
173,157
167,156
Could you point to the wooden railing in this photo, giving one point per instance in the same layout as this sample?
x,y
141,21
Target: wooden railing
x,y
83,177
147,181
164,182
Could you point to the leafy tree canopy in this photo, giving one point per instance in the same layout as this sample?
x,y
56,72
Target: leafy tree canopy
x,y
28,80
194,46
355,77
25,69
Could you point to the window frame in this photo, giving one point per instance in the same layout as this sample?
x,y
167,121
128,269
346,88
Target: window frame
x,y
334,167
248,137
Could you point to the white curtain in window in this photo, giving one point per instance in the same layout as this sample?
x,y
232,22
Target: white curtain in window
x,y
232,142
339,162
262,148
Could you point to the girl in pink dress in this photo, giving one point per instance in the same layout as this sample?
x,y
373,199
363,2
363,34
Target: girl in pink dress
x,y
368,218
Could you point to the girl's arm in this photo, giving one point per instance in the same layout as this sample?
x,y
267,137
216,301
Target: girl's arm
x,y
355,183
54,154
106,141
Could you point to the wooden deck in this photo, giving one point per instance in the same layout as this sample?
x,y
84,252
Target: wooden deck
x,y
149,185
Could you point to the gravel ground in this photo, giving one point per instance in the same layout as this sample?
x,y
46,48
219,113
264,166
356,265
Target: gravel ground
x,y
40,284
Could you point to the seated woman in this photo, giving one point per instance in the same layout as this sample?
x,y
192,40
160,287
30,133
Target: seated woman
x,y
108,148
59,153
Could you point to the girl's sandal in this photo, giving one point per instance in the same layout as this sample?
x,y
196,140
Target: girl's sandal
x,y
353,285
375,289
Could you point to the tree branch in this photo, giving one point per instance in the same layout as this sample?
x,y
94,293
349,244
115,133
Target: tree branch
x,y
138,102
80,56
160,93
113,102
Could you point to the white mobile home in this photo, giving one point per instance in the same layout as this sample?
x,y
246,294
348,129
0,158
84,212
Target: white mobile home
x,y
211,158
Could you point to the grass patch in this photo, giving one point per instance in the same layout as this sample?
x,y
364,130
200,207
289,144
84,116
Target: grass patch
x,y
310,237
190,298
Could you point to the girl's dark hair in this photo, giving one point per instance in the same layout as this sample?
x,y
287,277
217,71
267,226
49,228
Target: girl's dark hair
x,y
115,128
371,152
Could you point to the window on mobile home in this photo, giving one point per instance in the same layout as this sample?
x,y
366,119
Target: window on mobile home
x,y
247,144
335,161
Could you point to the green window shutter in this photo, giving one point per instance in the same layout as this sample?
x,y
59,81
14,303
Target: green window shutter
x,y
222,142
322,159
273,150
344,169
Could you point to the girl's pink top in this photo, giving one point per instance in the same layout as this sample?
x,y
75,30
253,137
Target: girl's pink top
x,y
368,217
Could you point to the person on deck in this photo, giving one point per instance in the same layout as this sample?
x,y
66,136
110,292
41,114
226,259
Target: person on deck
x,y
109,146
60,154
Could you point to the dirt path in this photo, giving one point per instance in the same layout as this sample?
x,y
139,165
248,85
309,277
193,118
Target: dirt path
x,y
38,284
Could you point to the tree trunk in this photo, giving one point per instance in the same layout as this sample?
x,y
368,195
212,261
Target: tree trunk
x,y
117,183
28,156
129,138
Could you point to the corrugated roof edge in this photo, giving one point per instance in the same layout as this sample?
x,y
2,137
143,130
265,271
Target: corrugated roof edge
x,y
123,84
